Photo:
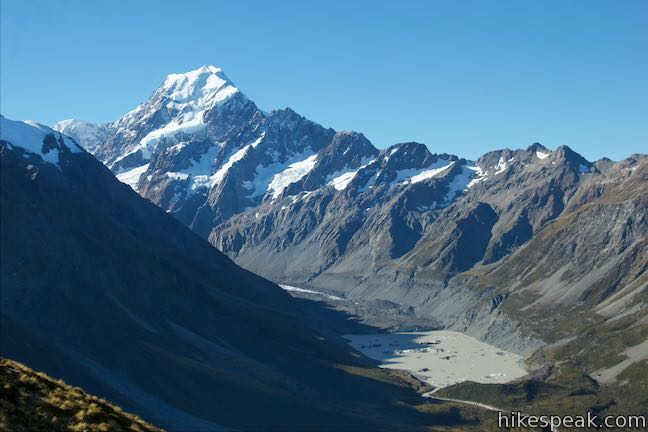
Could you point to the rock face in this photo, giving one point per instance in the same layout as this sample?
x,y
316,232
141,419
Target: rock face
x,y
301,204
105,290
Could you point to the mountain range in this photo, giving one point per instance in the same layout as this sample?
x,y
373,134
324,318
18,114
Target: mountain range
x,y
535,250
106,291
302,204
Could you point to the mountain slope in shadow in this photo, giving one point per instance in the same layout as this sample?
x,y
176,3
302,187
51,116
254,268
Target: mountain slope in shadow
x,y
102,289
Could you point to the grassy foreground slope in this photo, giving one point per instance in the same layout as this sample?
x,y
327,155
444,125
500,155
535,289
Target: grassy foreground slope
x,y
33,401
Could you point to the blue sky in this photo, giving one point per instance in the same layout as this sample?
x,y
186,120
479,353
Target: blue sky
x,y
460,76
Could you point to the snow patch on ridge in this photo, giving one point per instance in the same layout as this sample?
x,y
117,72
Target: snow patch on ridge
x,y
542,155
292,174
341,179
501,166
132,176
462,182
480,177
416,175
202,168
219,175
223,170
275,177
430,173
190,123
30,136
391,153
201,173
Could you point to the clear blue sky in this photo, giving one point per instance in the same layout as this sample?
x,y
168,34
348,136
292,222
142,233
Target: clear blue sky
x,y
461,76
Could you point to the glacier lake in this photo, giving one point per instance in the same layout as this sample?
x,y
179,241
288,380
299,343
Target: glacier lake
x,y
440,357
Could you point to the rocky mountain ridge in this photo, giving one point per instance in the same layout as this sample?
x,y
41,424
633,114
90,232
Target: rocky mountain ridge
x,y
305,205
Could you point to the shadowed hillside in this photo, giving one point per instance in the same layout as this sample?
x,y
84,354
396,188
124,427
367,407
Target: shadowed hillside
x,y
107,291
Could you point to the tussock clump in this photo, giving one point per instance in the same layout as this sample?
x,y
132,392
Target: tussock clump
x,y
32,401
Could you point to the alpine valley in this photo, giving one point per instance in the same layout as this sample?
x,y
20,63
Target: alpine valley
x,y
102,289
538,252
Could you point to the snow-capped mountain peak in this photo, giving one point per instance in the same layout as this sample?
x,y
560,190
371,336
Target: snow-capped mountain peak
x,y
200,149
198,89
180,110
